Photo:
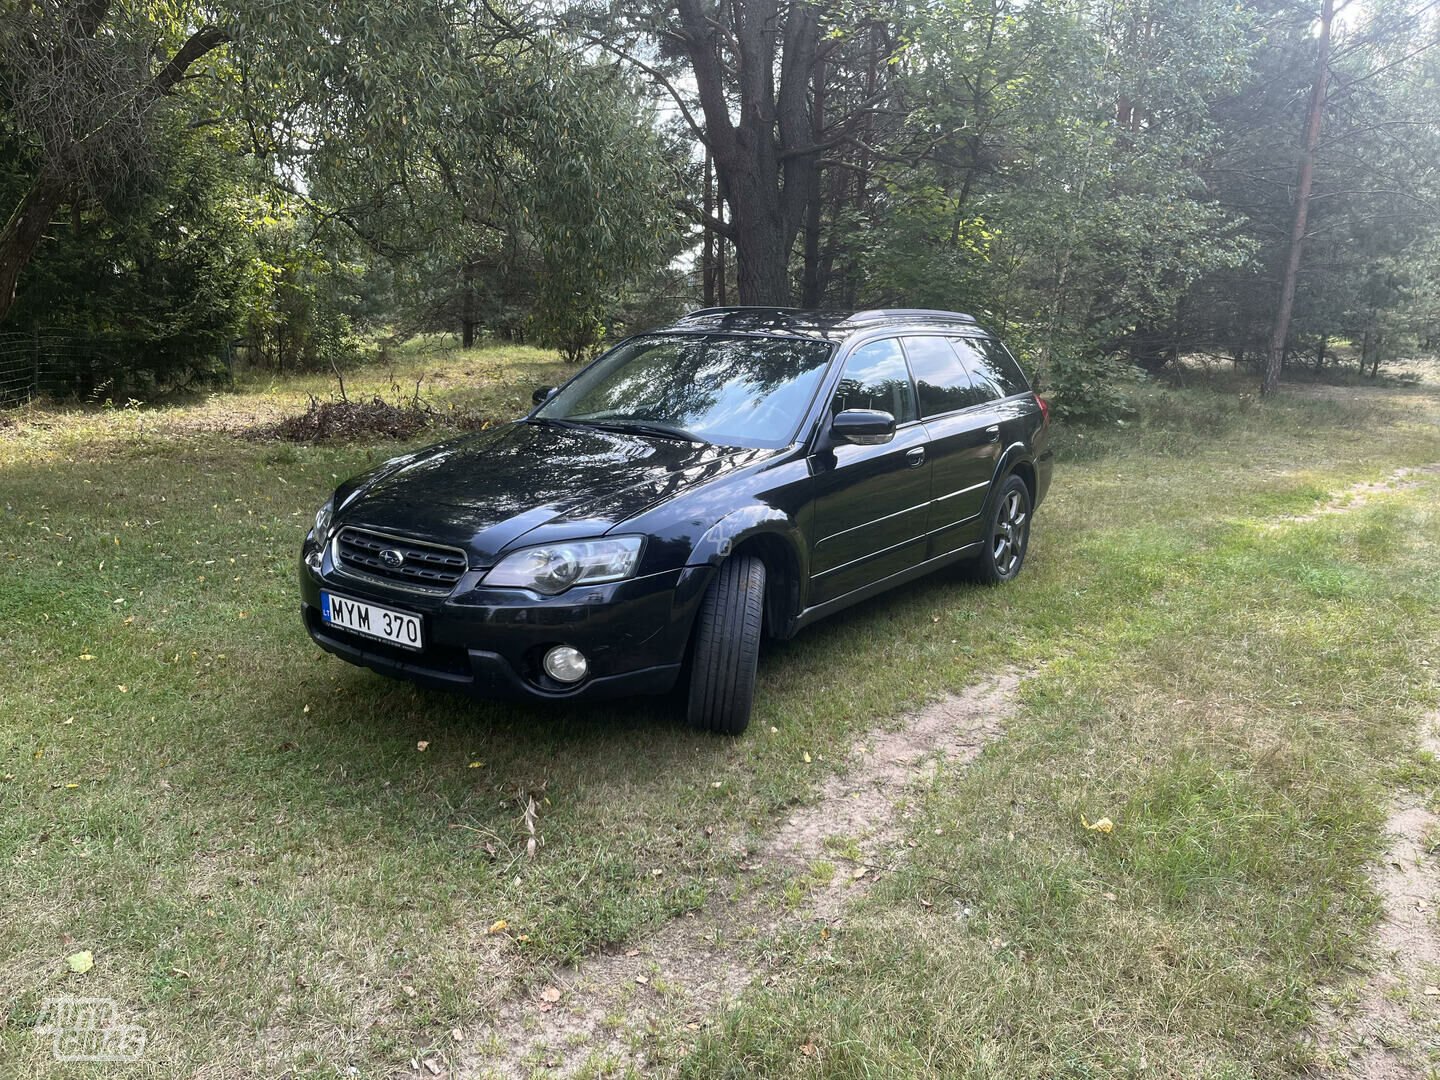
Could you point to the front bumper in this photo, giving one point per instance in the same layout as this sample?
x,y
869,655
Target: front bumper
x,y
488,642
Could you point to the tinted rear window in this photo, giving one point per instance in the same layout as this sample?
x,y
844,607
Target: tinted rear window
x,y
988,358
941,380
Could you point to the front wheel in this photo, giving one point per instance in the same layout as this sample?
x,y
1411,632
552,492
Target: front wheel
x,y
1007,534
727,647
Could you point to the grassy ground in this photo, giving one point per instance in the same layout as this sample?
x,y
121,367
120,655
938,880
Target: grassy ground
x,y
285,865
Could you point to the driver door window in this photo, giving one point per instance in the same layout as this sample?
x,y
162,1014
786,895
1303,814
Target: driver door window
x,y
875,377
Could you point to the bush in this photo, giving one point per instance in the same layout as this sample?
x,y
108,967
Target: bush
x,y
1089,387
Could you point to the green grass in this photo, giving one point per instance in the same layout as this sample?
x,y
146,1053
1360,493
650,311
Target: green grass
x,y
272,876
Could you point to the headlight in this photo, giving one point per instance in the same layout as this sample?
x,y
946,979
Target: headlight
x,y
554,568
322,520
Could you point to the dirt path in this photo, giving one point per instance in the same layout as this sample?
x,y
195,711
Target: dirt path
x,y
603,1013
1357,495
1392,1029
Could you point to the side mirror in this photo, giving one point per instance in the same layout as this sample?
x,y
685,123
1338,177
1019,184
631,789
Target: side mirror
x,y
863,427
542,394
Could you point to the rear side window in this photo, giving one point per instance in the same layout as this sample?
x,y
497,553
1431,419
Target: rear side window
x,y
941,379
988,358
875,378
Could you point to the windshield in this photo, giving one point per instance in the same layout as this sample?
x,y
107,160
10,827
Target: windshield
x,y
735,391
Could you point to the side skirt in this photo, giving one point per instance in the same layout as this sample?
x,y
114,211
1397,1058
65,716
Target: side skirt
x,y
819,611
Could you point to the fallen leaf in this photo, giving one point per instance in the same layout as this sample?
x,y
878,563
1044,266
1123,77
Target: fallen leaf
x,y
498,926
859,872
87,656
81,962
550,993
476,765
806,755
808,1049
409,991
123,688
422,744
432,1068
457,1035
1104,825
1109,896
642,980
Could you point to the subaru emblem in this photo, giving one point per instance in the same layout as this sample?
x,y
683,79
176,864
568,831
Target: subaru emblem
x,y
392,558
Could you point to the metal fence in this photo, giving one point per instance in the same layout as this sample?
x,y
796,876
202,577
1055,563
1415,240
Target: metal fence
x,y
38,363
50,364
20,361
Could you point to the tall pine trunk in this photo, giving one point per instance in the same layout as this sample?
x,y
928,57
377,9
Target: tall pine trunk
x,y
1311,140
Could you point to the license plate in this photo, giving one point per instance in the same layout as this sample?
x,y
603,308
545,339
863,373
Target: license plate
x,y
385,624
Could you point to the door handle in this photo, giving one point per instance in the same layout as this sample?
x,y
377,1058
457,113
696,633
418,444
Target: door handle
x,y
994,432
916,456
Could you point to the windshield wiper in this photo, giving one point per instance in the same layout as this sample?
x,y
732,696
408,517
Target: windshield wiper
x,y
550,421
642,427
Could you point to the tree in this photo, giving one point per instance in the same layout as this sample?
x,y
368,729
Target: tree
x,y
417,124
1314,117
82,85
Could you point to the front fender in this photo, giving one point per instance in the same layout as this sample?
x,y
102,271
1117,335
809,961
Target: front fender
x,y
779,541
736,527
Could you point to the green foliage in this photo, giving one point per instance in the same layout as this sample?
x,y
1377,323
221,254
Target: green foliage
x,y
599,207
1109,185
157,277
301,315
1088,386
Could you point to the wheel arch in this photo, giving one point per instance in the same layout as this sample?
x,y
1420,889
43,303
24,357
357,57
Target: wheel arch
x,y
776,540
1015,461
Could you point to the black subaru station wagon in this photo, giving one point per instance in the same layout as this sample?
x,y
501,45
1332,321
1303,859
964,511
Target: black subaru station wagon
x,y
742,473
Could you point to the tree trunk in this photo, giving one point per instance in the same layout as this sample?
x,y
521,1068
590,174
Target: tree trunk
x,y
467,306
764,156
23,232
812,286
707,253
1313,120
762,260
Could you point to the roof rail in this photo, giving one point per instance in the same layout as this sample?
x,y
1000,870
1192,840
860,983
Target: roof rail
x,y
880,314
737,309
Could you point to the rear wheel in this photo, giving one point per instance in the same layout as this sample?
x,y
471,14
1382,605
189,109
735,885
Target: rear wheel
x,y
726,648
1007,534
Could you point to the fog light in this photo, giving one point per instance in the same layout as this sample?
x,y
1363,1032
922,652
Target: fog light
x,y
567,665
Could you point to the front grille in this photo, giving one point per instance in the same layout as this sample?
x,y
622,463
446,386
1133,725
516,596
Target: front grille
x,y
420,564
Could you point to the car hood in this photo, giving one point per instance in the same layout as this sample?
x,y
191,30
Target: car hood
x,y
484,492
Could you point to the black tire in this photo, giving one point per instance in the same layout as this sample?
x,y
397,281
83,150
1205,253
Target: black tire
x,y
1007,535
726,648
